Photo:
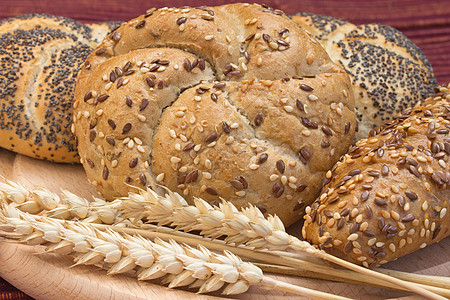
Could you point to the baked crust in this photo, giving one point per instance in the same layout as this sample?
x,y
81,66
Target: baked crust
x,y
389,195
40,57
192,98
388,71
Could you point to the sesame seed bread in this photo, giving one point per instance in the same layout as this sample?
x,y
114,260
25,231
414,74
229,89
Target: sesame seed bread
x,y
389,72
389,195
40,57
234,101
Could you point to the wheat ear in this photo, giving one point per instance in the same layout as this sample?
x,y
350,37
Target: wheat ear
x,y
175,264
248,226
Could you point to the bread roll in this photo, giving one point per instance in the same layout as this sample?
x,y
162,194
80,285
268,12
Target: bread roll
x,y
234,101
99,30
40,57
389,72
389,196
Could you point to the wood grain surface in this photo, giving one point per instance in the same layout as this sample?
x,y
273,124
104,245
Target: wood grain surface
x,y
427,23
49,276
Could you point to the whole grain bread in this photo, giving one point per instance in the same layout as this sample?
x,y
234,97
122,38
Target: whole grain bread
x,y
234,101
389,196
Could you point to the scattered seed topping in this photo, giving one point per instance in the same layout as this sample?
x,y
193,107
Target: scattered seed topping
x,y
111,140
211,191
126,128
259,119
144,104
411,195
100,51
309,124
150,82
280,166
141,24
92,135
105,173
212,137
219,85
87,96
102,98
306,88
143,179
237,184
133,162
299,105
262,158
304,155
225,127
90,163
112,123
115,36
327,130
128,101
278,190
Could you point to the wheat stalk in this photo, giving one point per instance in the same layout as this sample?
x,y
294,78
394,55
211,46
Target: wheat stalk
x,y
175,264
248,226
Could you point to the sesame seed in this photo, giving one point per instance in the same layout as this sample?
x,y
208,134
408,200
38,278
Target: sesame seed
x,y
130,144
273,177
209,37
352,237
240,193
160,177
175,159
288,108
141,118
208,164
313,97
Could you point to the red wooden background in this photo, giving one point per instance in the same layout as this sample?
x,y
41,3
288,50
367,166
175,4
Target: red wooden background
x,y
426,23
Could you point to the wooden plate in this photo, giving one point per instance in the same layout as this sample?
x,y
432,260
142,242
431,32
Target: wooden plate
x,y
48,276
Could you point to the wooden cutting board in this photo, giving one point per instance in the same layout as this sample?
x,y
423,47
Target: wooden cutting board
x,y
49,276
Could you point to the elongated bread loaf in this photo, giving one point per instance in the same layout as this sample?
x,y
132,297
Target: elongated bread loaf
x,y
389,72
389,196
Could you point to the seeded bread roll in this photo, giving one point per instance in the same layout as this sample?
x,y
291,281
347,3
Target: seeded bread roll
x,y
40,57
234,101
389,195
100,30
389,72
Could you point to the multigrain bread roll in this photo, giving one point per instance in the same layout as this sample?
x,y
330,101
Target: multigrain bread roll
x,y
100,30
40,57
234,101
389,196
388,71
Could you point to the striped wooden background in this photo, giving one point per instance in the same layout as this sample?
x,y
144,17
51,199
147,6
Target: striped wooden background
x,y
426,23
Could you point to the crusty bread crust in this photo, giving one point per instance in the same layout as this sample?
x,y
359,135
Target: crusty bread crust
x,y
234,101
389,196
40,57
389,72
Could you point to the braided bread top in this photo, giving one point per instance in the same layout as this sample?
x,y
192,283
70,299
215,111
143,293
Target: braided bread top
x,y
234,101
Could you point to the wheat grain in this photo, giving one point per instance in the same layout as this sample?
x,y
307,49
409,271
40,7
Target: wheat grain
x,y
247,226
177,265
